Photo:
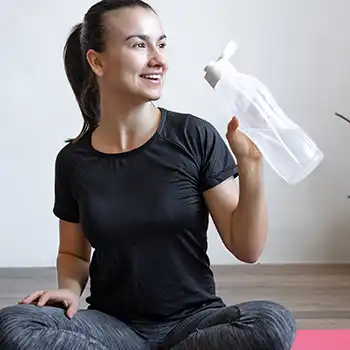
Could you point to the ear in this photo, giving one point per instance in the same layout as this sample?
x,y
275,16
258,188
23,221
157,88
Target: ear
x,y
95,61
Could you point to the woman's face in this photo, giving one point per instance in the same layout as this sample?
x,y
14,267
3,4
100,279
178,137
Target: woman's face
x,y
134,63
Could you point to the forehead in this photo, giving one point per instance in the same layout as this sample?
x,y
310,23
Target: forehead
x,y
125,22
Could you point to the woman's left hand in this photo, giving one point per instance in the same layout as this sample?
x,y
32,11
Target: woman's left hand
x,y
241,145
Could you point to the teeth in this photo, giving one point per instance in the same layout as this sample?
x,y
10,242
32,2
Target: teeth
x,y
153,76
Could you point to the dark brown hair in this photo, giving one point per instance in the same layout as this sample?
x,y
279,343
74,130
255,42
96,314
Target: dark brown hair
x,y
84,36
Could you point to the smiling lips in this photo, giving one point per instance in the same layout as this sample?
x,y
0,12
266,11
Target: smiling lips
x,y
153,78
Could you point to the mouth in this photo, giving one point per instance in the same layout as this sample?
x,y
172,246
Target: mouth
x,y
152,78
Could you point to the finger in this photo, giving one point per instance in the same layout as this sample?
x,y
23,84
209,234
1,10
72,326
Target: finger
x,y
233,124
72,310
44,299
30,298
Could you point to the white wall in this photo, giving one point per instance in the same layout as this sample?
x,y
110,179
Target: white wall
x,y
299,49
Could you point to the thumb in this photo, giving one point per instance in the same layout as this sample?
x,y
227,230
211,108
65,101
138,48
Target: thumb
x,y
233,124
72,310
232,127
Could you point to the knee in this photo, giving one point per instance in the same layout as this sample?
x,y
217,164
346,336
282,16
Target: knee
x,y
9,317
10,321
278,323
14,320
251,325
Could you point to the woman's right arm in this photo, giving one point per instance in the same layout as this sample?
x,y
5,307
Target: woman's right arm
x,y
73,258
73,262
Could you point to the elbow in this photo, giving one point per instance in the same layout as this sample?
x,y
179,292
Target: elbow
x,y
246,246
248,251
248,257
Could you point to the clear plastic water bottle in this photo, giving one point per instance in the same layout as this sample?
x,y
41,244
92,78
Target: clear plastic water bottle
x,y
286,147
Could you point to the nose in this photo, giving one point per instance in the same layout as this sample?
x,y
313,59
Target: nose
x,y
157,59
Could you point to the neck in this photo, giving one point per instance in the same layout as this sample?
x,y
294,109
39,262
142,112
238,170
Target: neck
x,y
124,125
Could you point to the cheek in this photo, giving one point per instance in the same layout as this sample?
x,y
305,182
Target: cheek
x,y
113,68
117,73
131,67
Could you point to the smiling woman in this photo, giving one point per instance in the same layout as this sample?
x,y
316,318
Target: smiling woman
x,y
116,40
138,185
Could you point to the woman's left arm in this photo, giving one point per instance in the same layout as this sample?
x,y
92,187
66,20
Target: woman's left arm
x,y
240,213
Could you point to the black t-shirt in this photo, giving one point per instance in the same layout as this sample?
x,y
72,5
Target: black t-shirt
x,y
144,214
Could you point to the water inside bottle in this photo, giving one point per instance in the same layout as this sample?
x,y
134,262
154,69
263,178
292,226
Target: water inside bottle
x,y
286,147
291,153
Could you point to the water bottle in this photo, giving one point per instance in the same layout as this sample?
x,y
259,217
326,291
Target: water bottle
x,y
286,147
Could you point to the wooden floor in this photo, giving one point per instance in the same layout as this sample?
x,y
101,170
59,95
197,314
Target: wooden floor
x,y
319,296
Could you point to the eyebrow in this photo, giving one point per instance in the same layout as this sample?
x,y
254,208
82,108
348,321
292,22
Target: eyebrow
x,y
144,37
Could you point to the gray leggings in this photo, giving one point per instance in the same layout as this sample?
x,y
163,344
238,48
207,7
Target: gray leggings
x,y
251,325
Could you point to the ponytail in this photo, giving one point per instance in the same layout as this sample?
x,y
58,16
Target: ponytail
x,y
82,80
84,36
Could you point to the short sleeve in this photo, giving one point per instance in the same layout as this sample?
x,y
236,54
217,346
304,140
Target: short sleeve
x,y
65,203
217,163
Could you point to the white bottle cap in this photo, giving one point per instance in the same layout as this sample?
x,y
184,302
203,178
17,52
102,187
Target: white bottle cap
x,y
216,70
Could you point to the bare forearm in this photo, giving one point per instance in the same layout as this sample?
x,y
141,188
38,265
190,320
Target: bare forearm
x,y
72,273
249,222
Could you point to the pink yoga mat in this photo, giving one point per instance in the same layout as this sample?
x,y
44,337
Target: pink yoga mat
x,y
322,340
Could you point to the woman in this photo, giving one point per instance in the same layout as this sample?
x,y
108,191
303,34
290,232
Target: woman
x,y
137,185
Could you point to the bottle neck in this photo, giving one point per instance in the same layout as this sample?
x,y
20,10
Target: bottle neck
x,y
215,71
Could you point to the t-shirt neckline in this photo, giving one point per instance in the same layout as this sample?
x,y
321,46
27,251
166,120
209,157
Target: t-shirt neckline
x,y
135,150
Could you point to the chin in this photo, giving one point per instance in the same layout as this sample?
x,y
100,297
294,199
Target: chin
x,y
155,96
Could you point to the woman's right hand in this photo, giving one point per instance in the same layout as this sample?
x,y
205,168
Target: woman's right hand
x,y
66,297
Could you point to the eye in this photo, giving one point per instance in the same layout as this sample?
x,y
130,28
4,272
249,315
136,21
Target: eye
x,y
140,45
162,45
